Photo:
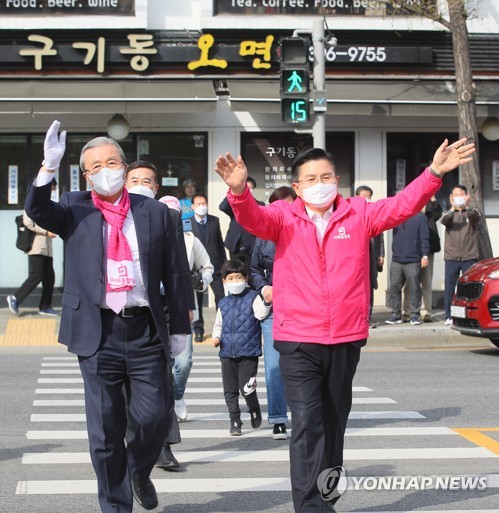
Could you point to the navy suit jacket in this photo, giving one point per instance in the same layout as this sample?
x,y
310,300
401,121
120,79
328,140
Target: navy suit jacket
x,y
213,243
80,224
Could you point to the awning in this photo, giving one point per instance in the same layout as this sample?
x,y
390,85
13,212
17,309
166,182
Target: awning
x,y
371,97
106,96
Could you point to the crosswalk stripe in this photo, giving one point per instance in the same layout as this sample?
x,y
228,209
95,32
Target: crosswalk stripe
x,y
424,453
363,415
46,381
205,402
188,391
59,391
187,433
199,390
208,485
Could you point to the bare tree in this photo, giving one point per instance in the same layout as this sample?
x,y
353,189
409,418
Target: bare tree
x,y
458,11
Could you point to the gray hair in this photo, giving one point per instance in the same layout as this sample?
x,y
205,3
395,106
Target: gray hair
x,y
100,141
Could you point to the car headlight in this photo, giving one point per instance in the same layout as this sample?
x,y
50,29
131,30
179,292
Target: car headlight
x,y
494,275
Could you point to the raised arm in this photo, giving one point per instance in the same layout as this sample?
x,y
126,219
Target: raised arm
x,y
260,221
51,216
388,213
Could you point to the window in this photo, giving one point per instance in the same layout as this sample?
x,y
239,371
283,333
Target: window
x,y
269,158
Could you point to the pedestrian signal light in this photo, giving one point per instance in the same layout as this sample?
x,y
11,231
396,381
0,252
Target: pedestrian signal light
x,y
295,80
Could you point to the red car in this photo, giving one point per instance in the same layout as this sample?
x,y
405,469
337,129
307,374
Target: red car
x,y
475,306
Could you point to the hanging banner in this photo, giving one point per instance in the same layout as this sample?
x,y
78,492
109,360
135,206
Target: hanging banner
x,y
74,177
13,186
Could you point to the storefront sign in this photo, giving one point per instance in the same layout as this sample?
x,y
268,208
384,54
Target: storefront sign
x,y
13,187
316,7
141,52
68,7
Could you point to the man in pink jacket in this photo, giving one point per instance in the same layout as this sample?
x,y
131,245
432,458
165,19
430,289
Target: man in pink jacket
x,y
321,297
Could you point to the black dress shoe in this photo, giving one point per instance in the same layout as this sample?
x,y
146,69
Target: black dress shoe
x,y
167,460
145,493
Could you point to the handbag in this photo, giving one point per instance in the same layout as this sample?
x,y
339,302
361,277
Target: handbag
x,y
25,236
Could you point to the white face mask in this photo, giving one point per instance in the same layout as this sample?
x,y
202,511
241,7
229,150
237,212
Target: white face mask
x,y
459,201
201,210
320,195
235,287
108,182
142,190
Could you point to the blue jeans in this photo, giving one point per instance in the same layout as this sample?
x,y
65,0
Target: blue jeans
x,y
181,369
276,399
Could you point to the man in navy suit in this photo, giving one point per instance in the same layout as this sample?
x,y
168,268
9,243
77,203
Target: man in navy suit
x,y
119,249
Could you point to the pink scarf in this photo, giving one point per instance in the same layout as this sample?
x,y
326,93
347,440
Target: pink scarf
x,y
120,275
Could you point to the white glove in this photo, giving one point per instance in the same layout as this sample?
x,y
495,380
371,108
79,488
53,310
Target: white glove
x,y
54,147
177,344
207,279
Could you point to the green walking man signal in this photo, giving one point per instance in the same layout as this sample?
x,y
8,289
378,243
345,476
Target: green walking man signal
x,y
295,80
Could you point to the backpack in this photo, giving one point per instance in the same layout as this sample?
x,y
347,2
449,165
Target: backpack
x,y
25,236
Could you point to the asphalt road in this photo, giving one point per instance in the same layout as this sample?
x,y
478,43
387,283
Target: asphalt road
x,y
408,404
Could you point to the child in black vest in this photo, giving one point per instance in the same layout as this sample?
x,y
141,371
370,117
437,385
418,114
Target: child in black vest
x,y
237,331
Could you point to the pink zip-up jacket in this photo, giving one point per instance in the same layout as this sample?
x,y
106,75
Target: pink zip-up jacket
x,y
321,290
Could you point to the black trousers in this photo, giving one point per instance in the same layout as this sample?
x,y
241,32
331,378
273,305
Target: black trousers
x,y
318,385
218,290
236,377
41,269
130,355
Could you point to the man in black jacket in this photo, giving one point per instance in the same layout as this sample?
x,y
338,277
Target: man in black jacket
x,y
207,229
238,241
410,248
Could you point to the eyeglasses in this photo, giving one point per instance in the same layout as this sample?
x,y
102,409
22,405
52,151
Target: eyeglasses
x,y
111,164
312,180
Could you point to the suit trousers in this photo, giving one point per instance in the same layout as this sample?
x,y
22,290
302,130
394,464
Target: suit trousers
x,y
41,269
318,384
426,289
400,274
131,355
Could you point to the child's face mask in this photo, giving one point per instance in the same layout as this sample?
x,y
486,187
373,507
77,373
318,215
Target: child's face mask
x,y
235,287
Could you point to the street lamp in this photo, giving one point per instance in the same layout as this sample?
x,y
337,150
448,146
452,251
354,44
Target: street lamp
x,y
490,129
118,127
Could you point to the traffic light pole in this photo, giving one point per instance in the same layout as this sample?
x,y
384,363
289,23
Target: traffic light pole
x,y
319,128
319,92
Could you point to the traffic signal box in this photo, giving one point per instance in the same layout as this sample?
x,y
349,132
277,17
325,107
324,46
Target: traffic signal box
x,y
295,80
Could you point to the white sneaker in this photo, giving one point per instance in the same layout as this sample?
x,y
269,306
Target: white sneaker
x,y
448,322
181,410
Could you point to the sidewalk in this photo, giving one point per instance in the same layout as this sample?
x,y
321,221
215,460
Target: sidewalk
x,y
31,329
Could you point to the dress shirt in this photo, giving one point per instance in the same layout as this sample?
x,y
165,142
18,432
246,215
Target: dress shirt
x,y
138,295
200,220
320,222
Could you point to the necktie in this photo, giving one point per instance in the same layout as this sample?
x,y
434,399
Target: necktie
x,y
116,300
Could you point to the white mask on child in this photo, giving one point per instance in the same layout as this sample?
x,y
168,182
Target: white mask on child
x,y
235,287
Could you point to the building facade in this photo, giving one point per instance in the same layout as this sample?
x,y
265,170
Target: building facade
x,y
181,84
